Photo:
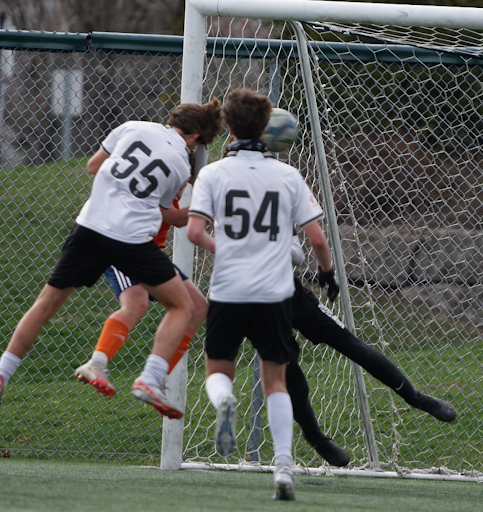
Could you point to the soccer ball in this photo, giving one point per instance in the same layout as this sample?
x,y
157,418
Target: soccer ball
x,y
281,131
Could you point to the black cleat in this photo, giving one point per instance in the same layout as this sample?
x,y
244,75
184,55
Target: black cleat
x,y
327,449
440,409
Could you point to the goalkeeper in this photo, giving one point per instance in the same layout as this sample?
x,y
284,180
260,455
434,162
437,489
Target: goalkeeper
x,y
319,325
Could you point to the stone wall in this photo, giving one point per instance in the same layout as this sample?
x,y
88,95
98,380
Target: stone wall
x,y
438,269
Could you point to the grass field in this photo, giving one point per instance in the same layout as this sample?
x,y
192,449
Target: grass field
x,y
46,414
47,486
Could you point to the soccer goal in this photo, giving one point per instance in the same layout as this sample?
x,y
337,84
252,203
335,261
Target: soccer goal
x,y
388,98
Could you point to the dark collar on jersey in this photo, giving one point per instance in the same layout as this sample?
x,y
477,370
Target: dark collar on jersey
x,y
247,145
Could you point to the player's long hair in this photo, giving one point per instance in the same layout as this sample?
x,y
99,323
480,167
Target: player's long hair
x,y
204,119
247,113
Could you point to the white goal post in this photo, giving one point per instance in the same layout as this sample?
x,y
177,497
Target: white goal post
x,y
194,78
353,12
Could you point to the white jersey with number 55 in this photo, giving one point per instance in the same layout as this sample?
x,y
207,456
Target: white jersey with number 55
x,y
147,166
253,202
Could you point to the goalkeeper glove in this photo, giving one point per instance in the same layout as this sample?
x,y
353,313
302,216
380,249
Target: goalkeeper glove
x,y
330,279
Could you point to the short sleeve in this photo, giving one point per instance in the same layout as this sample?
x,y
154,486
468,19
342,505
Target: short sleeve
x,y
202,198
306,207
109,143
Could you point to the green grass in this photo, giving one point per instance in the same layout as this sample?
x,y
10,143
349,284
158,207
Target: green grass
x,y
46,414
48,486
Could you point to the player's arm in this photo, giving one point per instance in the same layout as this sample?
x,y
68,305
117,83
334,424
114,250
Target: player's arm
x,y
321,249
319,244
97,159
177,217
196,233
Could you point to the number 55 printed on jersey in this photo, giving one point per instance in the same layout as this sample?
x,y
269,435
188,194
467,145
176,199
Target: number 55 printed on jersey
x,y
145,172
269,203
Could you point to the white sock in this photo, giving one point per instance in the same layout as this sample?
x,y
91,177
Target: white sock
x,y
8,365
280,419
99,359
155,371
218,385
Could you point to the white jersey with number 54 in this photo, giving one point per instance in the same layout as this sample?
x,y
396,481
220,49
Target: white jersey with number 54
x,y
147,166
253,202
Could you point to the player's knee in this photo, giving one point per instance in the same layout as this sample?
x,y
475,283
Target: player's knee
x,y
200,312
274,386
200,304
188,309
137,312
273,377
48,303
134,304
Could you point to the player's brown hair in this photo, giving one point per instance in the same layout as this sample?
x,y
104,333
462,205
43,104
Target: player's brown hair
x,y
247,113
204,119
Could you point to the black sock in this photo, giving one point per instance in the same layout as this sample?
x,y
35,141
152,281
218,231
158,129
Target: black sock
x,y
298,390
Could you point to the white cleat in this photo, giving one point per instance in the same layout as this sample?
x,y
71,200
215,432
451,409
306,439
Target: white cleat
x,y
283,483
96,377
156,397
225,433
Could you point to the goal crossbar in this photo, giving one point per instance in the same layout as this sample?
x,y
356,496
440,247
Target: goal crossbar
x,y
355,12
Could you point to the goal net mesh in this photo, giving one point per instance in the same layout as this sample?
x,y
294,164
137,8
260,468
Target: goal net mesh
x,y
401,121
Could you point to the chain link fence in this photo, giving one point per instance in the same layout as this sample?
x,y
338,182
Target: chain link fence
x,y
403,141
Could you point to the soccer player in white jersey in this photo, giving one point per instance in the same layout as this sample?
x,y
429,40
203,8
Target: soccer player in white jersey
x,y
139,167
253,201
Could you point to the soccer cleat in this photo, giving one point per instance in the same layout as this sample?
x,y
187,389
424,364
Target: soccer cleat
x,y
2,387
96,377
156,397
225,433
440,409
283,483
327,449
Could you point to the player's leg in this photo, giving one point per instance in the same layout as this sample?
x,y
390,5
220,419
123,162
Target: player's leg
x,y
199,316
175,298
148,264
79,264
149,387
304,415
219,387
44,308
270,331
319,325
134,302
224,334
381,368
280,420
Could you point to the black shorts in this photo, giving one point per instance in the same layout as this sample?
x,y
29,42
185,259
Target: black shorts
x,y
86,255
310,315
268,326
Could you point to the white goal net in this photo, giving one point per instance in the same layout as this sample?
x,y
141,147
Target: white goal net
x,y
395,109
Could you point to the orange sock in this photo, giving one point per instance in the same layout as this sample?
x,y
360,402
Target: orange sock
x,y
114,333
183,347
